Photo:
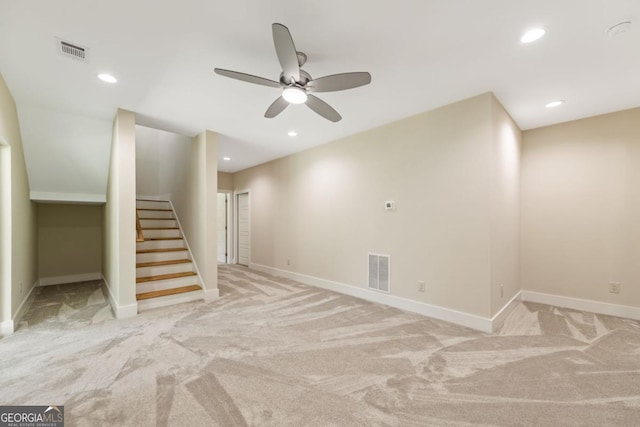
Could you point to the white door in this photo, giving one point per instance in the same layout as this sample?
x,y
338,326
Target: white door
x,y
222,228
244,232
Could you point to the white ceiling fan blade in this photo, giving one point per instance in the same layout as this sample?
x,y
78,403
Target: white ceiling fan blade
x,y
247,78
276,108
286,51
322,108
341,81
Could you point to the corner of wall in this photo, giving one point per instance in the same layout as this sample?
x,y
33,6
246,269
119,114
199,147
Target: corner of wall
x,y
505,209
197,207
119,311
19,257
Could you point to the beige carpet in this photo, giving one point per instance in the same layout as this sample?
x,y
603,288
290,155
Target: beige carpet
x,y
278,353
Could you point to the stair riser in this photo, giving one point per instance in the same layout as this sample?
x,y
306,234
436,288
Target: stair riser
x,y
151,223
161,233
165,301
163,269
160,285
144,204
160,244
161,256
155,214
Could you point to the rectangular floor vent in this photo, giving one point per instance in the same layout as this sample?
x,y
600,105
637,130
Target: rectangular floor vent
x,y
379,272
72,50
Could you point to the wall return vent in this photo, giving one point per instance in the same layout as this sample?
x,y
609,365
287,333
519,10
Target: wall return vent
x,y
72,50
379,272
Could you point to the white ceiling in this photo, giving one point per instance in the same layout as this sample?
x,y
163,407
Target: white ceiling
x,y
421,54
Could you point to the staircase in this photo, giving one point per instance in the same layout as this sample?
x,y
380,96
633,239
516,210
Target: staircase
x,y
165,273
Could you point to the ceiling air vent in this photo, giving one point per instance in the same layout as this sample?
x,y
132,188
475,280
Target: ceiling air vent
x,y
379,272
72,50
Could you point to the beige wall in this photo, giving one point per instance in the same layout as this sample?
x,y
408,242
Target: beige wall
x,y
225,181
195,203
119,228
69,240
19,260
160,160
324,208
581,208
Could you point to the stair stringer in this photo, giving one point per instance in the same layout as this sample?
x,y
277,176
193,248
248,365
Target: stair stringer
x,y
186,242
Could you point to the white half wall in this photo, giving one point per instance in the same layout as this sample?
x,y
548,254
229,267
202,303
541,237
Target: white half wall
x,y
195,203
119,230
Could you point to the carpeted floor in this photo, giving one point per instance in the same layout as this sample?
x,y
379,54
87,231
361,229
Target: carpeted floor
x,y
278,353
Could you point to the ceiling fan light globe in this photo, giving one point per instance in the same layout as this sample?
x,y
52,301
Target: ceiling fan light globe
x,y
294,95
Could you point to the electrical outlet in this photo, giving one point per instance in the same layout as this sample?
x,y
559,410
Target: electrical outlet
x,y
614,288
288,261
20,288
421,286
501,291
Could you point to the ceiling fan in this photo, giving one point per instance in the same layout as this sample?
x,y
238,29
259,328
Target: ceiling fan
x,y
296,84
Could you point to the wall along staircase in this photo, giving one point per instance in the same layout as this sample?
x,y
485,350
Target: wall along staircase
x,y
165,272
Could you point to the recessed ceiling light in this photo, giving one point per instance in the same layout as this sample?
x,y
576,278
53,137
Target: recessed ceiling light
x,y
292,133
532,35
226,158
554,104
107,78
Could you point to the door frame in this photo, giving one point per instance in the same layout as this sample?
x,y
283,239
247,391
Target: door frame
x,y
230,246
236,253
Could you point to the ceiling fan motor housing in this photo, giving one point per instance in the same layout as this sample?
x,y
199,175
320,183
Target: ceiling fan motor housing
x,y
304,79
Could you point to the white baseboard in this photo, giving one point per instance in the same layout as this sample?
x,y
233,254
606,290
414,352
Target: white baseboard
x,y
125,311
583,304
472,321
26,303
498,319
120,311
211,294
168,300
73,278
8,326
